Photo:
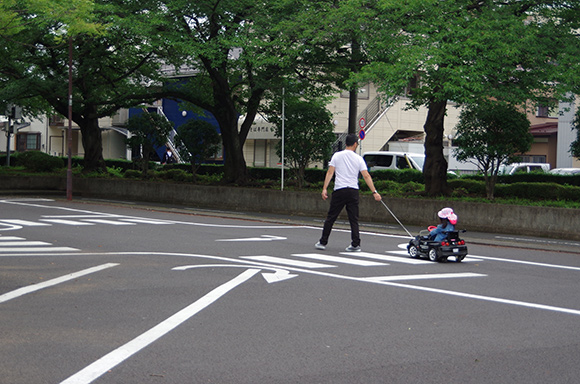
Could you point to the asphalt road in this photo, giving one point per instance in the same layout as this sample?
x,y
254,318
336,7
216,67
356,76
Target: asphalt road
x,y
117,293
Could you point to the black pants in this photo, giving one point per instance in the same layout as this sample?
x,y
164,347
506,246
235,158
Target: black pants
x,y
339,199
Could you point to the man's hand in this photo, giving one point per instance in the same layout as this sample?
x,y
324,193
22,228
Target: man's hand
x,y
377,196
324,194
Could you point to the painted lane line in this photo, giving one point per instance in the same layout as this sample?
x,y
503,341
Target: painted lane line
x,y
44,249
49,283
24,223
110,222
262,238
112,359
536,264
338,259
295,263
425,276
147,221
396,259
11,238
66,222
21,243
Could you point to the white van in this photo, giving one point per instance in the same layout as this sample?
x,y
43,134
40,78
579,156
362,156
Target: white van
x,y
510,169
394,160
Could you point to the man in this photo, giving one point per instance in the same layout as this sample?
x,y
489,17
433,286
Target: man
x,y
345,165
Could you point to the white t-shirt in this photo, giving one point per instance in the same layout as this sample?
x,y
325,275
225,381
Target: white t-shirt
x,y
348,165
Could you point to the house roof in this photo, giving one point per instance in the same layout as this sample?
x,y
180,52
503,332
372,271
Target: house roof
x,y
544,129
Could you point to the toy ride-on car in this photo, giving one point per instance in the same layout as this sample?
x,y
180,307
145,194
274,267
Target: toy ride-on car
x,y
438,250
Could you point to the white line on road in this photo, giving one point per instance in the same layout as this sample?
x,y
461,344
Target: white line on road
x,y
376,256
25,223
49,283
21,243
425,276
66,222
295,263
33,250
109,361
338,259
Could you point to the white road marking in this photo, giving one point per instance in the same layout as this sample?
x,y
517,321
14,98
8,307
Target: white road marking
x,y
295,263
147,221
10,238
262,238
66,222
376,256
21,243
425,276
112,359
49,283
529,263
34,250
109,222
24,223
338,259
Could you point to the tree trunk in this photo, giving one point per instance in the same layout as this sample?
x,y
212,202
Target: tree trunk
x,y
235,170
352,110
435,169
92,144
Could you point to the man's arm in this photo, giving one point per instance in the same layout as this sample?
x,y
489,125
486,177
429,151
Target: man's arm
x,y
369,180
327,179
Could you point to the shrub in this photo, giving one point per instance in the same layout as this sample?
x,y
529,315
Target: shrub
x,y
132,174
470,186
37,161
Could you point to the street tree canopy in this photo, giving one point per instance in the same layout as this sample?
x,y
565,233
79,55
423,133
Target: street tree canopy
x,y
468,52
491,134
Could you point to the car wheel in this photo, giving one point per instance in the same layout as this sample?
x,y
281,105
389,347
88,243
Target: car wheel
x,y
413,252
433,254
458,259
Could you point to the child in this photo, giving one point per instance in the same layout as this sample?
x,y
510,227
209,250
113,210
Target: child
x,y
447,219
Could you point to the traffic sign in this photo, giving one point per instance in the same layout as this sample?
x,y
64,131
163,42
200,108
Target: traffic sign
x,y
362,134
362,122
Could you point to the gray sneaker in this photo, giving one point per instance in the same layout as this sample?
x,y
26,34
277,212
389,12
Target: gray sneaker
x,y
350,248
320,246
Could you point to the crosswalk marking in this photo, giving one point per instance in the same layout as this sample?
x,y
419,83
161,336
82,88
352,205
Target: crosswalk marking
x,y
11,238
469,259
376,256
66,222
294,263
338,259
37,249
25,223
21,243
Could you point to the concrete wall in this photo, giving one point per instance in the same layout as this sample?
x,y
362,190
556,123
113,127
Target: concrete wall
x,y
540,221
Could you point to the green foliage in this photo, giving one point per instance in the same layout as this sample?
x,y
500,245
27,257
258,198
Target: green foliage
x,y
400,176
197,140
539,191
175,175
493,134
37,161
308,134
132,174
148,130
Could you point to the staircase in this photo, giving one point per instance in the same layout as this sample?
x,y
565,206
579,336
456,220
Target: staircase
x,y
372,114
171,138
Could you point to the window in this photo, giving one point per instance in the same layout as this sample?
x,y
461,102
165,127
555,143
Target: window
x,y
28,141
545,111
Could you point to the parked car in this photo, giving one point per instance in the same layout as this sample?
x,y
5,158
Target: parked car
x,y
394,160
565,171
510,169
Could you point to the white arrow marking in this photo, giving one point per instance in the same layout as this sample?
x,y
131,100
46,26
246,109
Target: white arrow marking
x,y
262,238
278,275
112,359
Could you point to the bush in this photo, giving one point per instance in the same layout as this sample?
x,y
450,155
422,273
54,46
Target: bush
x,y
132,174
539,191
37,161
468,185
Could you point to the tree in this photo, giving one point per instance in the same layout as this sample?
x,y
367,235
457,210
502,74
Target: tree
x,y
148,131
117,69
197,140
308,134
575,145
471,51
241,52
492,134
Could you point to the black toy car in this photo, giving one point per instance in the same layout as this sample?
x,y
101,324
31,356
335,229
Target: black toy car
x,y
438,250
